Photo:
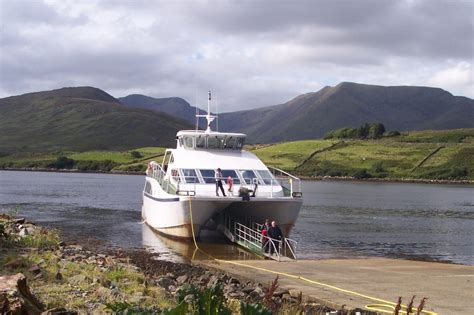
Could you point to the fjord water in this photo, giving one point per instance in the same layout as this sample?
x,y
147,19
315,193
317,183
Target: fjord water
x,y
338,219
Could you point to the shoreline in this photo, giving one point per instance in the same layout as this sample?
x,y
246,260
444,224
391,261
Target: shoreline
x,y
96,277
302,177
39,273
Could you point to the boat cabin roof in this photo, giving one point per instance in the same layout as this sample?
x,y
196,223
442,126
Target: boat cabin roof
x,y
199,139
212,159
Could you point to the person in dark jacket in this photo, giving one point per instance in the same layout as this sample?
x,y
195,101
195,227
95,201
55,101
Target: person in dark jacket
x,y
276,235
218,177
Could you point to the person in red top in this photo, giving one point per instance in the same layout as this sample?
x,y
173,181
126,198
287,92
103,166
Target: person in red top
x,y
265,240
230,183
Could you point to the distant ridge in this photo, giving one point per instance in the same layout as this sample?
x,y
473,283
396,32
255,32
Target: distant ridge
x,y
80,119
311,115
174,106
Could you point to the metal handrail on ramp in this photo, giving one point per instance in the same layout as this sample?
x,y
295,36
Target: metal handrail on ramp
x,y
253,240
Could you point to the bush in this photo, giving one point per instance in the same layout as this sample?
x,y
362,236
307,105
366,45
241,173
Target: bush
x,y
86,165
136,154
210,301
366,131
361,173
62,162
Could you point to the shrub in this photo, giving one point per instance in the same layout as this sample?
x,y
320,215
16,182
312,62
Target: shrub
x,y
104,165
366,131
190,300
136,154
361,173
62,162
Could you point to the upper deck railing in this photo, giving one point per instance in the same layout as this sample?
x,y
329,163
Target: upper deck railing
x,y
291,184
282,182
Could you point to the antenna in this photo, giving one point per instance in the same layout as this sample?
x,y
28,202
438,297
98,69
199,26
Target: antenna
x,y
197,110
210,118
217,117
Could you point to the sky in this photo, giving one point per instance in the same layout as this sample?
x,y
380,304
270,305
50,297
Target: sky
x,y
249,53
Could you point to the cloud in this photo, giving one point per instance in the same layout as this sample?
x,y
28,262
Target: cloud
x,y
458,78
250,53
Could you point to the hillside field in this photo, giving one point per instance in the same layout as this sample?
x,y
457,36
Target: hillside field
x,y
444,155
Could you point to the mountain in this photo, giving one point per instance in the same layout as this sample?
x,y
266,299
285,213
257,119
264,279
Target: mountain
x,y
80,119
174,106
311,115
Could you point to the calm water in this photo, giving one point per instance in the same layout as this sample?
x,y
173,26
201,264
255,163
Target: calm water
x,y
338,219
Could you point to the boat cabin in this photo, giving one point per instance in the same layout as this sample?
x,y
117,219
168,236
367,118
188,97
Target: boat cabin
x,y
198,139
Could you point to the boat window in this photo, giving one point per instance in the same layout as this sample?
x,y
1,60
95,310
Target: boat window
x,y
248,176
188,142
175,174
229,143
208,176
190,176
239,143
214,142
231,173
148,188
266,177
200,142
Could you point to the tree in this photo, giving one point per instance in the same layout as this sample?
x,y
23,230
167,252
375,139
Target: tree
x,y
376,130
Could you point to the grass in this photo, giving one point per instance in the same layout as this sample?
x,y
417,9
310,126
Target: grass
x,y
83,286
288,155
392,157
90,160
439,136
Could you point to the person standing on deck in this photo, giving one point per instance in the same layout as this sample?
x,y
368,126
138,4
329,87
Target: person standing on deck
x,y
276,236
218,177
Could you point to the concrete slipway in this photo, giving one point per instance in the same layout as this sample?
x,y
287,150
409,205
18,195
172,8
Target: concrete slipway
x,y
448,287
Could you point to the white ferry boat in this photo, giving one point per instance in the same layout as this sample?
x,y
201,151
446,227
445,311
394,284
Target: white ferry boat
x,y
182,188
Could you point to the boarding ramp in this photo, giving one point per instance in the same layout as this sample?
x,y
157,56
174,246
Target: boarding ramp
x,y
248,234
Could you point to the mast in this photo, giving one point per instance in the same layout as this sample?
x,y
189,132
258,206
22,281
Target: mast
x,y
210,118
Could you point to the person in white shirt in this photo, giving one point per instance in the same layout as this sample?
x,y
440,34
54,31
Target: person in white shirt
x,y
218,177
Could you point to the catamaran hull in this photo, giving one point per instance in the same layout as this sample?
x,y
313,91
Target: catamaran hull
x,y
172,216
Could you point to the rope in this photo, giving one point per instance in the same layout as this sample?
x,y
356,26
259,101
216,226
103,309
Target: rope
x,y
387,307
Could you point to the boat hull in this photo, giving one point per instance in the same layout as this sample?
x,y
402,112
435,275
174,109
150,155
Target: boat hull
x,y
172,216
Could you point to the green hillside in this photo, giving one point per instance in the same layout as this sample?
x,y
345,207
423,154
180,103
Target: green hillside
x,y
443,155
397,157
80,119
129,161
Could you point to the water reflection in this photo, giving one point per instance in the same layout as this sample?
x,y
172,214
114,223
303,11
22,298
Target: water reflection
x,y
210,242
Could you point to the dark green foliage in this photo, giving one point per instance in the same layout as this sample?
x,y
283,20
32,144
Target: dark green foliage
x,y
253,309
366,131
361,174
136,154
363,131
376,131
104,165
62,162
208,302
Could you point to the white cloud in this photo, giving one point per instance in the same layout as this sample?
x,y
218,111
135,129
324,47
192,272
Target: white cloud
x,y
249,53
458,78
